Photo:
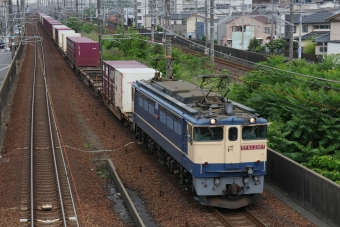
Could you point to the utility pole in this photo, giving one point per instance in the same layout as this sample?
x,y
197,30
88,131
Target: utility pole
x,y
272,27
291,30
152,22
212,32
168,50
196,33
206,23
300,31
90,7
103,14
145,14
99,33
242,46
77,7
136,18
10,17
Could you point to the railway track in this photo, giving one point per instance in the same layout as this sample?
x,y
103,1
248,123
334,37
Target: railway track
x,y
220,61
239,218
46,198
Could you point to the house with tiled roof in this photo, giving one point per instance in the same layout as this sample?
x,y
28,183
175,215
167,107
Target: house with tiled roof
x,y
183,24
313,26
332,41
253,26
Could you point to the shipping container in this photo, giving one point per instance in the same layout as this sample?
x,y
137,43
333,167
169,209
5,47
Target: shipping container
x,y
65,35
83,51
109,68
57,33
57,26
54,27
48,23
42,18
117,79
60,36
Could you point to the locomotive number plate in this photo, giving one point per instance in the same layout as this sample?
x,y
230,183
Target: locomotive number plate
x,y
253,147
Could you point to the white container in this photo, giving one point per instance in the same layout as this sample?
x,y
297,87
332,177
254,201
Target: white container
x,y
64,41
57,26
123,79
60,36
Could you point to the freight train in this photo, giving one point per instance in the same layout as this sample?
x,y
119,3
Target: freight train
x,y
216,146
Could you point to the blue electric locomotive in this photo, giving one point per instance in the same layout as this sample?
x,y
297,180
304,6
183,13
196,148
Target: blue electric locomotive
x,y
217,146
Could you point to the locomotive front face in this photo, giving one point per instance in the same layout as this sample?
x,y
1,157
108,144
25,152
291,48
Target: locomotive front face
x,y
228,159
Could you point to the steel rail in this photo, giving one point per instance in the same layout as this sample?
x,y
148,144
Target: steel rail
x,y
246,212
62,164
222,218
220,60
61,148
42,62
51,135
253,218
32,129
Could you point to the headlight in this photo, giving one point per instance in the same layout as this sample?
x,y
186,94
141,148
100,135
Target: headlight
x,y
252,120
212,121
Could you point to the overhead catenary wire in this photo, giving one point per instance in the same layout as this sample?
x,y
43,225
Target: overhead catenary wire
x,y
257,65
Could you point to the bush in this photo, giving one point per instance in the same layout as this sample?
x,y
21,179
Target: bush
x,y
253,44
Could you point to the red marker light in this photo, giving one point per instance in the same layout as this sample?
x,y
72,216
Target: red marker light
x,y
258,162
205,163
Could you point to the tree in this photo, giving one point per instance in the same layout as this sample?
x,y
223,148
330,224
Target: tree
x,y
253,44
303,111
309,48
277,44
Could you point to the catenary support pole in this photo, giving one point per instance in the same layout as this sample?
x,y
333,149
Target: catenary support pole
x,y
212,32
99,33
291,30
300,31
168,49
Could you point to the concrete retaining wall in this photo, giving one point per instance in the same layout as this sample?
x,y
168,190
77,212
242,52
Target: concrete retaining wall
x,y
315,192
7,90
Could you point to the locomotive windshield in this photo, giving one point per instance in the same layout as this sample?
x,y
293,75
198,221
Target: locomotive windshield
x,y
208,133
258,132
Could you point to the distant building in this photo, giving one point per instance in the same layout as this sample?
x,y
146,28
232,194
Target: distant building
x,y
184,24
314,27
247,27
331,41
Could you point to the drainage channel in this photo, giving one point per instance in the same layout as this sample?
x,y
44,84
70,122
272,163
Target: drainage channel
x,y
128,204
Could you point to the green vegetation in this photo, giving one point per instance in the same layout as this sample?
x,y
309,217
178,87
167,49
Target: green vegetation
x,y
277,44
254,44
303,111
82,26
87,145
309,47
129,45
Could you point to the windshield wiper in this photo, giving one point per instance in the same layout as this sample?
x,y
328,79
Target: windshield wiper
x,y
211,131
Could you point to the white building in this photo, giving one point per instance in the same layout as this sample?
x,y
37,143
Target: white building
x,y
222,7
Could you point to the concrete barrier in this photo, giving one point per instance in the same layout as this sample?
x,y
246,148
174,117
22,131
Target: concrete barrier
x,y
316,193
7,90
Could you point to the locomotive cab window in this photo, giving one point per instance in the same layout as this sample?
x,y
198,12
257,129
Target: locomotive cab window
x,y
208,133
258,132
232,134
